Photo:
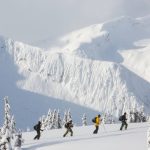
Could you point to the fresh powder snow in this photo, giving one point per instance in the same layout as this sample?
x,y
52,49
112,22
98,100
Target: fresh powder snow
x,y
108,138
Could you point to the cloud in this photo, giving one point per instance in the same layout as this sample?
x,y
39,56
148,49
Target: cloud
x,y
35,20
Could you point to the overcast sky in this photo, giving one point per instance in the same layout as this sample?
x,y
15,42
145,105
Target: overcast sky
x,y
32,21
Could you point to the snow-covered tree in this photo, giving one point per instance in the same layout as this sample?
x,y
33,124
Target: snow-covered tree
x,y
53,125
53,119
43,122
7,117
8,128
58,120
138,115
65,118
109,119
69,116
84,120
131,117
48,120
13,125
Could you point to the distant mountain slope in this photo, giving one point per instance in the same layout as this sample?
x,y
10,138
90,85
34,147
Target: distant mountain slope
x,y
138,60
103,41
95,84
28,106
90,69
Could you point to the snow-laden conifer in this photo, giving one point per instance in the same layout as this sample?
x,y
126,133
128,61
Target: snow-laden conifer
x,y
84,120
8,128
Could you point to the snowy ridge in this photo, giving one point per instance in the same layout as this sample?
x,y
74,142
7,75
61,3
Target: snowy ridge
x,y
100,85
103,41
90,69
96,80
18,67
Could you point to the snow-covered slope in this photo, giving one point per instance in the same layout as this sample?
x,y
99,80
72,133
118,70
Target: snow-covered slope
x,y
27,106
103,86
135,138
90,68
138,60
103,41
107,41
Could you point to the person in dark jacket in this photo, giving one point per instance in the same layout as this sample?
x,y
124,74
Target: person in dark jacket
x,y
68,126
124,121
97,123
37,127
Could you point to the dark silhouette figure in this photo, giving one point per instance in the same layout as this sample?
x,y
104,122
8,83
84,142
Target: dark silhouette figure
x,y
97,123
124,122
68,126
37,127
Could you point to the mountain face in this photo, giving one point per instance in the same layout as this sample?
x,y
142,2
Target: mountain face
x,y
103,41
103,67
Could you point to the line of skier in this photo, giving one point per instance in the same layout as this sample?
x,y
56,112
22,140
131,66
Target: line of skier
x,y
69,125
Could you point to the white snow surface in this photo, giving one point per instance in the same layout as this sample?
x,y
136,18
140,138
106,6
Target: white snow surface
x,y
133,59
108,138
103,67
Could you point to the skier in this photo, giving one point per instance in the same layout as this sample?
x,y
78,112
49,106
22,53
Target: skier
x,y
68,126
97,120
18,142
37,127
124,121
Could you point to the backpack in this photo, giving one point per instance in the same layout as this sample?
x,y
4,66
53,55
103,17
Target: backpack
x,y
120,118
94,120
35,127
66,125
